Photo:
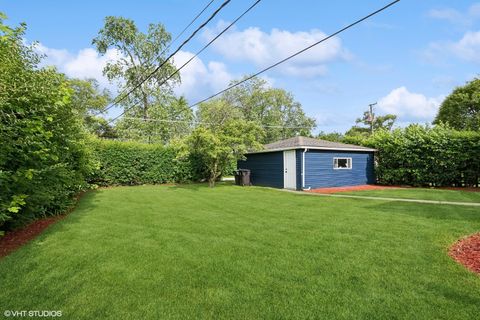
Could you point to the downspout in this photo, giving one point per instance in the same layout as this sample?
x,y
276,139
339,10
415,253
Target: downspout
x,y
303,169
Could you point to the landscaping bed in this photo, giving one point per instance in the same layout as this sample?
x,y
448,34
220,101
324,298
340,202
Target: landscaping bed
x,y
467,252
15,239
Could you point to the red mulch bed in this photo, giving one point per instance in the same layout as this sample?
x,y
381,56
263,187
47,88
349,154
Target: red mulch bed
x,y
467,252
378,187
352,188
14,239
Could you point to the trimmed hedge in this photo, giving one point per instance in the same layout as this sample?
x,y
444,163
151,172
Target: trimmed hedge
x,y
134,163
427,156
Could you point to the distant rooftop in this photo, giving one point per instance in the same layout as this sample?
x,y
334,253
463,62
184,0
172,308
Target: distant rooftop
x,y
305,142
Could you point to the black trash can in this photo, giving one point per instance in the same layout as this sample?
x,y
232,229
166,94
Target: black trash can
x,y
242,177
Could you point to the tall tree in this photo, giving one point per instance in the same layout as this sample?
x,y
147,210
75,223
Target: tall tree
x,y
140,54
274,109
461,109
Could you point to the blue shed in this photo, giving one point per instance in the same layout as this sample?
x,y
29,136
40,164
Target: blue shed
x,y
305,163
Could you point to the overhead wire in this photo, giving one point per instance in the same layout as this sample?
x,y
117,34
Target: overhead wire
x,y
349,26
298,52
196,54
122,96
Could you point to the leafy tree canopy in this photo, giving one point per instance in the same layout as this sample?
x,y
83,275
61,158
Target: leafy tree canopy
x,y
215,148
461,109
274,109
139,55
371,122
89,100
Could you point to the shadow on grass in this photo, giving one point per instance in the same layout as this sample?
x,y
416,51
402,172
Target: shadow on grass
x,y
429,211
196,186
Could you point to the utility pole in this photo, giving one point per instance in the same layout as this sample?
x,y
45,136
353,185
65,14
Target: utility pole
x,y
371,116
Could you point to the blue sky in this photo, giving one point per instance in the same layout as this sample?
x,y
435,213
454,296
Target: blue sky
x,y
408,58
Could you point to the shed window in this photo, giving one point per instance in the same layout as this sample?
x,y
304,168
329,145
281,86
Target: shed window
x,y
342,163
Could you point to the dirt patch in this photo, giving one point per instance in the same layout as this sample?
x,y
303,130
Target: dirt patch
x,y
15,239
352,188
467,252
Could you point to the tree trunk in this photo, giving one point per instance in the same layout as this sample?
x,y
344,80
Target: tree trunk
x,y
213,175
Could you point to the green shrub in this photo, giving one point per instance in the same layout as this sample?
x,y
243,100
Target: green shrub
x,y
43,157
427,156
134,163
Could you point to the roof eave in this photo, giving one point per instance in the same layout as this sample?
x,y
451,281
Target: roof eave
x,y
315,148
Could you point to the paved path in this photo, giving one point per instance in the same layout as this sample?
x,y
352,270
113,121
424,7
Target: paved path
x,y
472,204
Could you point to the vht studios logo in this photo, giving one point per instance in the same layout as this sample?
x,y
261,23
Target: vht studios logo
x,y
32,313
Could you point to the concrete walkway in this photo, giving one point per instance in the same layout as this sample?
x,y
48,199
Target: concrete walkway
x,y
471,204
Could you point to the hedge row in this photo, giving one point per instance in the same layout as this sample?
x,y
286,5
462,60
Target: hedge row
x,y
44,160
133,163
427,156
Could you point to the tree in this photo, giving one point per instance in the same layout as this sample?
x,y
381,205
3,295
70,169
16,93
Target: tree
x,y
140,54
215,113
89,100
215,150
372,123
274,109
332,136
461,109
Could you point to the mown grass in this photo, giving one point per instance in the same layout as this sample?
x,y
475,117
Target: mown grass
x,y
188,252
422,193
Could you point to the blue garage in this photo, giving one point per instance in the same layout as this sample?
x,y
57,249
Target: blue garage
x,y
305,163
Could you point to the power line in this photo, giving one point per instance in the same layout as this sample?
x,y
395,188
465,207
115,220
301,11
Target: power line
x,y
185,29
211,41
208,123
298,52
196,54
116,102
287,58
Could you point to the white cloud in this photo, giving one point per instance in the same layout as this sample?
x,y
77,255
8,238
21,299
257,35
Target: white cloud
x,y
262,49
86,63
453,16
447,14
466,48
199,79
410,106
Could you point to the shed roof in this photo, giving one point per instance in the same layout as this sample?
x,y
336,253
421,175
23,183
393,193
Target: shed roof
x,y
300,142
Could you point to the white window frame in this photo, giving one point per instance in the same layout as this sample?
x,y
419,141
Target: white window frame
x,y
349,162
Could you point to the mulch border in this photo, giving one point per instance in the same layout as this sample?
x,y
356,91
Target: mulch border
x,y
353,188
365,187
466,251
13,240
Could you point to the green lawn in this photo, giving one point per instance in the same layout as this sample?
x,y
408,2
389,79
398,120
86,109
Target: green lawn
x,y
422,193
164,252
